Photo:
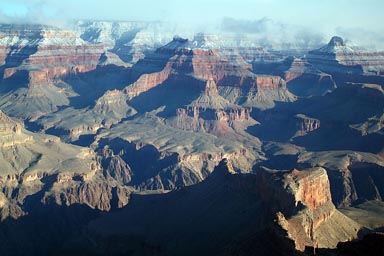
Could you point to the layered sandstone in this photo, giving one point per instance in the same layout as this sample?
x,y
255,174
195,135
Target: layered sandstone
x,y
45,53
207,120
354,176
306,125
230,81
146,82
338,57
317,217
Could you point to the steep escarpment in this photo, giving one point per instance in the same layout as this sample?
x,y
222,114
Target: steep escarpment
x,y
338,57
355,176
299,201
228,76
312,225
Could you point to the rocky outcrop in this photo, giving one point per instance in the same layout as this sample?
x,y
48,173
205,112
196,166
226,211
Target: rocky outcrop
x,y
8,125
338,57
265,90
354,176
310,226
304,79
306,125
146,82
311,188
197,119
269,83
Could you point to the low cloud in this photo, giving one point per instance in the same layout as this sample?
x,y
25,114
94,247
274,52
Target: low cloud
x,y
296,23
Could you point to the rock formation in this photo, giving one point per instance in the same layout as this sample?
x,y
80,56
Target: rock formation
x,y
176,129
319,217
37,165
45,53
338,57
306,125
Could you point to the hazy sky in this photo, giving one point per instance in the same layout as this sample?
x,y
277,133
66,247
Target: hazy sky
x,y
319,14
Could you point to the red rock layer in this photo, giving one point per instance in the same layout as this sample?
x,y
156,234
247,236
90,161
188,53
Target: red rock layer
x,y
45,53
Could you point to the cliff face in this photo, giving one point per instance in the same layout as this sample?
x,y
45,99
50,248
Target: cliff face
x,y
258,204
44,53
147,81
337,57
229,80
306,125
196,119
317,217
355,176
311,188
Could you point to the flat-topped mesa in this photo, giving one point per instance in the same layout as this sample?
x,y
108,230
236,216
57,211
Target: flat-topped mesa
x,y
42,53
146,82
338,57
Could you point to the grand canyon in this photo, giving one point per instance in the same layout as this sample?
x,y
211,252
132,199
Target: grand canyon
x,y
124,138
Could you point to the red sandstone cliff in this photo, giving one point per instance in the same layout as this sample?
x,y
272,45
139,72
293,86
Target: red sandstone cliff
x,y
44,53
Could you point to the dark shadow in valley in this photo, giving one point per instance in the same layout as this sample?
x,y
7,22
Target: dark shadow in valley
x,y
91,85
368,180
122,46
276,124
279,162
48,230
217,216
18,54
340,137
336,111
85,140
176,92
145,162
